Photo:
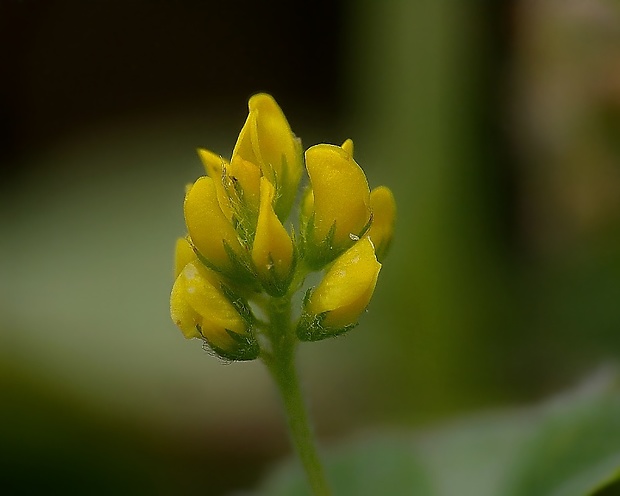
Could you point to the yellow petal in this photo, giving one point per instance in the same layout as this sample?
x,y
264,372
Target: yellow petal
x,y
341,194
347,288
183,254
207,225
273,137
247,176
381,230
218,314
243,147
197,290
273,248
347,146
213,163
215,166
266,140
182,313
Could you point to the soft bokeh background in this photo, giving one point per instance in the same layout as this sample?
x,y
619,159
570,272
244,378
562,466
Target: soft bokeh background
x,y
496,124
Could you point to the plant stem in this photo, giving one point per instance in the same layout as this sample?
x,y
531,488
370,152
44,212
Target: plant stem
x,y
281,364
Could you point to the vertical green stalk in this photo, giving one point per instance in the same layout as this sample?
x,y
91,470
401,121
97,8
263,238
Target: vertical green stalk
x,y
280,362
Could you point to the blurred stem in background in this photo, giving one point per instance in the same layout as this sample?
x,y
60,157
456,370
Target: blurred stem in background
x,y
498,126
424,105
567,125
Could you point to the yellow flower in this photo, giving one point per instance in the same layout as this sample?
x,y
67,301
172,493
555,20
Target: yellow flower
x,y
183,254
215,167
238,254
340,194
347,288
237,187
266,140
381,230
201,310
272,252
209,229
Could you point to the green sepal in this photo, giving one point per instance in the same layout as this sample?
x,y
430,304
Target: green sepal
x,y
204,261
240,304
319,255
244,217
274,285
300,243
278,181
286,192
242,272
245,348
310,327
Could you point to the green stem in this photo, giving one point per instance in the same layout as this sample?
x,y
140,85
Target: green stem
x,y
281,364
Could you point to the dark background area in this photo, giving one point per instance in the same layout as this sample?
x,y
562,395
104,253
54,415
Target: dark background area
x,y
69,64
496,124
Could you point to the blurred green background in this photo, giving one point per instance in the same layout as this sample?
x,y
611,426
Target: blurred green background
x,y
496,124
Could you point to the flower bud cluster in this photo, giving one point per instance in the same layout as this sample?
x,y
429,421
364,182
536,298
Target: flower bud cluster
x,y
238,251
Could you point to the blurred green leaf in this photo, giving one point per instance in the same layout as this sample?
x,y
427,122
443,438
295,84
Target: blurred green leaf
x,y
380,465
569,446
610,487
576,446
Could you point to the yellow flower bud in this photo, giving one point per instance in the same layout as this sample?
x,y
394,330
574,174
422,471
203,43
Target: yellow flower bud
x,y
215,166
347,287
266,140
341,196
183,254
272,252
347,146
381,230
201,310
208,227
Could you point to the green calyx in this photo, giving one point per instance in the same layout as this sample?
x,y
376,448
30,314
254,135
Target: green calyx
x,y
311,327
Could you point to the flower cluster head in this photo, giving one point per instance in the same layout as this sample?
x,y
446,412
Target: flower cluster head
x,y
240,254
